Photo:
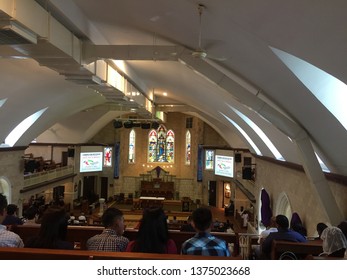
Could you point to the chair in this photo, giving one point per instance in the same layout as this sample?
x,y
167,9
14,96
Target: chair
x,y
121,198
129,200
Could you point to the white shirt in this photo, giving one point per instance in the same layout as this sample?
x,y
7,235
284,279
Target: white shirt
x,y
265,233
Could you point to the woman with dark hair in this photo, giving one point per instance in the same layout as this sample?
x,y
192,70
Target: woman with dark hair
x,y
320,227
153,234
53,231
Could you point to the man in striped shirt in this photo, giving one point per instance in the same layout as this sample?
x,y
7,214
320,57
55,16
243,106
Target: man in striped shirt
x,y
111,238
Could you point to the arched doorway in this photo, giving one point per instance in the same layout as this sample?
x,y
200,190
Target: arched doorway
x,y
5,188
283,206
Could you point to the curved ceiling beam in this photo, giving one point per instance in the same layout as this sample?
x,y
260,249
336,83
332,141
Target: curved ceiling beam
x,y
287,126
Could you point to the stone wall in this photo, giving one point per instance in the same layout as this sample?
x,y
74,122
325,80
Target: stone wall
x,y
277,179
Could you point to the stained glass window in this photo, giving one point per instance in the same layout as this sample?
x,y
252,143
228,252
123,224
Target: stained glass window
x,y
108,156
152,146
161,145
209,159
188,138
170,141
132,138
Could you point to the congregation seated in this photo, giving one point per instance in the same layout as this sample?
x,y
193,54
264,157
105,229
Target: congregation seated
x,y
320,227
187,226
30,216
52,232
111,238
334,242
203,242
11,216
229,209
283,233
343,227
7,238
153,234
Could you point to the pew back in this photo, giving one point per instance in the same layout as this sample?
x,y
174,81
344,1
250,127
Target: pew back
x,y
79,235
54,254
301,250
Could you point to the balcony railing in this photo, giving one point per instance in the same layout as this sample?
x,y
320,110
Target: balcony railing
x,y
53,174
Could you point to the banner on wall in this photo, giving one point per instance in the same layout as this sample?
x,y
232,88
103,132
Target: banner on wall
x,y
116,160
200,163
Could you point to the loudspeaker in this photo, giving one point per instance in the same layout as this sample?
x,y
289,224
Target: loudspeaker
x,y
128,124
155,125
237,157
117,124
70,152
247,173
247,161
145,125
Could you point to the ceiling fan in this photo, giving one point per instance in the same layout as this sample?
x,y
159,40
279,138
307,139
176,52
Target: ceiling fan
x,y
200,52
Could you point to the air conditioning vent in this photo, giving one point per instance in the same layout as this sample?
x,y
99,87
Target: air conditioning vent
x,y
14,34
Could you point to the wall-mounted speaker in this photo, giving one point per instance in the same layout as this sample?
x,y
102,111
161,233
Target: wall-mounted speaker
x,y
247,161
237,157
128,124
70,152
117,124
145,125
155,125
247,173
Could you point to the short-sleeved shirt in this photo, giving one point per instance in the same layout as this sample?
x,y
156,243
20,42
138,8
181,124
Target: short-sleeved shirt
x,y
12,220
9,238
109,241
205,244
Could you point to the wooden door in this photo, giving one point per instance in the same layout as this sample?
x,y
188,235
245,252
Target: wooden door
x,y
104,185
212,196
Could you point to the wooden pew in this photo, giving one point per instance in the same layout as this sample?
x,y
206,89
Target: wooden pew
x,y
301,250
54,254
79,235
324,258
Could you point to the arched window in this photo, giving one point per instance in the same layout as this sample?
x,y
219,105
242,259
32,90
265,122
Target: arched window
x,y
152,146
108,156
209,159
188,144
161,145
132,138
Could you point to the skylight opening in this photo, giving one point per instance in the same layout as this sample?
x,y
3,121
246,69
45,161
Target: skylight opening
x,y
260,133
330,91
21,128
322,164
2,102
249,140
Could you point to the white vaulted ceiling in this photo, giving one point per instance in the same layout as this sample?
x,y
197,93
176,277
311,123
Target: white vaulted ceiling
x,y
242,75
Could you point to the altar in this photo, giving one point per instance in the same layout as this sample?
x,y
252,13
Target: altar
x,y
148,201
157,183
